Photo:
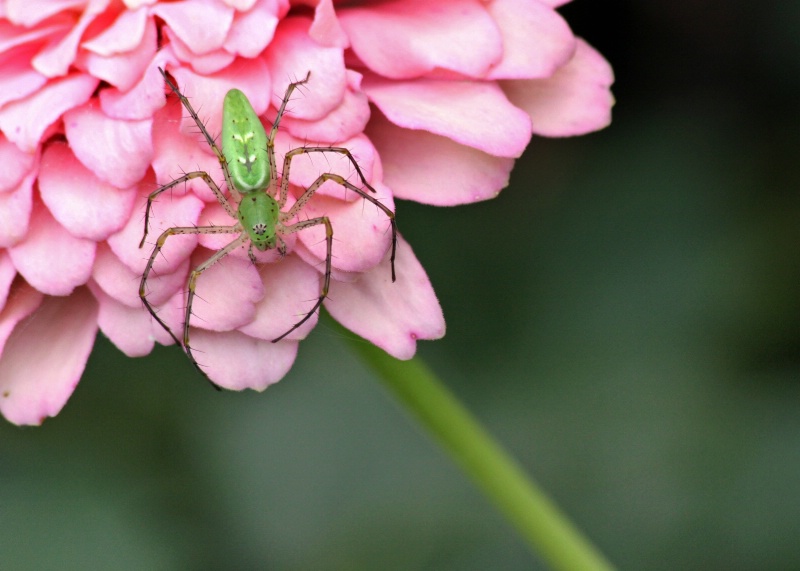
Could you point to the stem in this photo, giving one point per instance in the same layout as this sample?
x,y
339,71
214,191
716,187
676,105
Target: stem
x,y
535,516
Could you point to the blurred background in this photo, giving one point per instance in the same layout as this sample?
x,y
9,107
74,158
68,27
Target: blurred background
x,y
627,323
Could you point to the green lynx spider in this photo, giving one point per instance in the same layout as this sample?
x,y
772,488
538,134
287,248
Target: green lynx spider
x,y
247,158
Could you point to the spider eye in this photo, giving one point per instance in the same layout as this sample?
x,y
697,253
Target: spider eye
x,y
259,228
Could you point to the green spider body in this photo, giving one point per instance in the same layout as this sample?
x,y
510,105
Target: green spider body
x,y
247,158
244,144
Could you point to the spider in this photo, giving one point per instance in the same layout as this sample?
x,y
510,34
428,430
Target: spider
x,y
257,199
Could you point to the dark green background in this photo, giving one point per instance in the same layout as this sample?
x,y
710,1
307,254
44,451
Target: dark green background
x,y
625,318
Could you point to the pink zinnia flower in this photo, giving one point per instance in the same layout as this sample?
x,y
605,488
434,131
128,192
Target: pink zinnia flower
x,y
434,99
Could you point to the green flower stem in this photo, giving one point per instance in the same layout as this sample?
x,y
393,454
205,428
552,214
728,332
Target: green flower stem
x,y
534,515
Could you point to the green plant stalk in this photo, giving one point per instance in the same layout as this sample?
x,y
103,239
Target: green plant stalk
x,y
551,535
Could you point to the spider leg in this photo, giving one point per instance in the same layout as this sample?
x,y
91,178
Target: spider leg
x,y
273,168
327,280
177,230
306,196
209,139
191,286
188,176
287,160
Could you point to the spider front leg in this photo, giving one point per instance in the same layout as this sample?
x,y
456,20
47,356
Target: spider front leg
x,y
306,196
209,139
185,178
175,231
291,229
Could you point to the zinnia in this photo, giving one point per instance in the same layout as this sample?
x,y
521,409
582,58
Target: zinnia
x,y
434,99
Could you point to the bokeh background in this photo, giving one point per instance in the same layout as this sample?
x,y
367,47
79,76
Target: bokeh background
x,y
625,318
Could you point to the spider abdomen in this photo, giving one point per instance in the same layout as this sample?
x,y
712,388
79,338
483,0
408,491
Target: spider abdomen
x,y
244,143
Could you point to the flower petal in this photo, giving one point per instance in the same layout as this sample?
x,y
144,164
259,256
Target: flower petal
x,y
117,151
419,166
122,36
291,55
86,206
201,25
252,31
536,39
291,287
16,164
167,211
50,258
7,275
57,57
473,114
143,99
342,123
25,121
390,315
326,29
15,212
124,70
41,366
235,361
128,328
19,78
575,101
410,38
122,284
226,293
361,231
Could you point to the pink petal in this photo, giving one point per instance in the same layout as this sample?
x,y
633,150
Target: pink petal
x,y
24,122
206,93
128,328
83,204
226,293
410,38
45,356
575,101
342,123
536,39
7,275
291,287
201,25
19,78
15,212
252,31
24,301
124,35
57,57
143,99
124,70
235,361
390,315
207,63
117,151
50,258
326,29
291,55
31,12
473,114
240,5
122,284
418,166
361,231
16,164
167,212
